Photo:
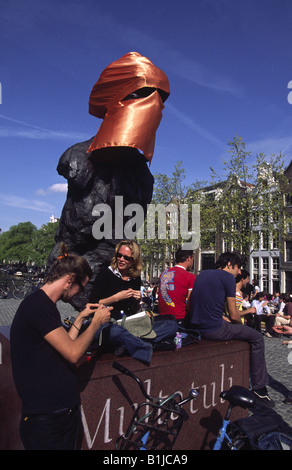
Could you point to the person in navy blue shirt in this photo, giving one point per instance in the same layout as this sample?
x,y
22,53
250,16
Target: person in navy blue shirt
x,y
212,297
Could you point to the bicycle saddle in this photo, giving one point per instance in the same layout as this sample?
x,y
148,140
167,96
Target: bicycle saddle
x,y
238,396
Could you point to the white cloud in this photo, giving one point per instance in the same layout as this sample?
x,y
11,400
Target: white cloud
x,y
272,146
59,188
188,121
22,203
36,132
54,188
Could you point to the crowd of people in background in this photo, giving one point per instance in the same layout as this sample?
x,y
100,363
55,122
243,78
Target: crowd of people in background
x,y
261,310
258,309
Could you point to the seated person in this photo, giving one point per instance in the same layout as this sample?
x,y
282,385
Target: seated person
x,y
276,298
282,303
243,312
283,316
213,289
250,318
263,314
175,286
119,286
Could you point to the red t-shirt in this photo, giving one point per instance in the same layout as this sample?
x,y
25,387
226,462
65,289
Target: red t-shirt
x,y
174,285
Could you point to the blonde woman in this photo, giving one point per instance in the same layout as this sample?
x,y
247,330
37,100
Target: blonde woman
x,y
119,284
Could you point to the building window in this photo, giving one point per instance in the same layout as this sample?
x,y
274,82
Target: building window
x,y
256,243
208,261
265,264
289,251
265,241
255,268
265,278
276,242
275,274
265,273
276,266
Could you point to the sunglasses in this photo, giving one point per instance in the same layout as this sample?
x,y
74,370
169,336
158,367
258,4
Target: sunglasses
x,y
126,258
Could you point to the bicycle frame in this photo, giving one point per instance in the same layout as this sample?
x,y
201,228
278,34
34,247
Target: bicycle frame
x,y
223,436
236,396
159,427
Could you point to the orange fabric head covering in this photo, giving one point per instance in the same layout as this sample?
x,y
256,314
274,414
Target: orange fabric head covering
x,y
129,121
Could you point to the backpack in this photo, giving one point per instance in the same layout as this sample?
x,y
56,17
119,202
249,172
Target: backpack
x,y
275,441
266,429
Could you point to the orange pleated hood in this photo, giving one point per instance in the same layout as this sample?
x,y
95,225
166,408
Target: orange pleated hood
x,y
129,96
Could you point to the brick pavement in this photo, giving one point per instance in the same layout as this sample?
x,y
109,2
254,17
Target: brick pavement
x,y
279,369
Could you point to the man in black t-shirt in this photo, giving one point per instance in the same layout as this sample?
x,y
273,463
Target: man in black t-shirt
x,y
43,355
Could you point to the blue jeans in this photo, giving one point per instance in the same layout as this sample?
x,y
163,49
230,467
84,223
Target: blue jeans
x,y
229,331
115,335
138,348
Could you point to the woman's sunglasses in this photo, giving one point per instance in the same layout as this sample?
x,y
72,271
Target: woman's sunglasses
x,y
127,258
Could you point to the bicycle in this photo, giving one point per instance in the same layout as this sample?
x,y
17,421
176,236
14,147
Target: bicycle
x,y
4,289
21,291
229,436
156,423
263,430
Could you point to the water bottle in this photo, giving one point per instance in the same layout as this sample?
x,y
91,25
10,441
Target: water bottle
x,y
178,340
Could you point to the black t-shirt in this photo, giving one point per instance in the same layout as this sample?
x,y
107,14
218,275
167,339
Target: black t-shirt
x,y
107,284
44,380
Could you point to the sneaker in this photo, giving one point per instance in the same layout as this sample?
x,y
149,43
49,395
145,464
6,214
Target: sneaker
x,y
268,335
263,398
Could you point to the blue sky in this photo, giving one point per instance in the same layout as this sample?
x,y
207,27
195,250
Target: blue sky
x,y
228,63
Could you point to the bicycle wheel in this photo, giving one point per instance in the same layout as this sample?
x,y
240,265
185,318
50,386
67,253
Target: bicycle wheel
x,y
239,439
156,429
19,293
4,289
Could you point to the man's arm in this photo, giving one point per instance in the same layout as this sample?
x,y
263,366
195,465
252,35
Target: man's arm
x,y
232,310
73,349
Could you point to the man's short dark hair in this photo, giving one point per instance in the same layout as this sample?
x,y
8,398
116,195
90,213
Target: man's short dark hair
x,y
259,295
245,273
228,257
182,255
238,278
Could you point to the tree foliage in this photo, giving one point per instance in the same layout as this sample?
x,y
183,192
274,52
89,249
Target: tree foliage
x,y
243,205
24,243
168,192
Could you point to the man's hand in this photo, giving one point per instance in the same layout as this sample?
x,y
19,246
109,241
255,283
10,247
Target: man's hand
x,y
102,314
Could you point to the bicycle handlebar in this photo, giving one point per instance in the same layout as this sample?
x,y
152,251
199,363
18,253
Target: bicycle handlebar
x,y
122,369
126,371
193,392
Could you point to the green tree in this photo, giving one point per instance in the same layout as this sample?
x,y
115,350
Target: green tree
x,y
24,243
169,192
15,244
244,204
43,242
